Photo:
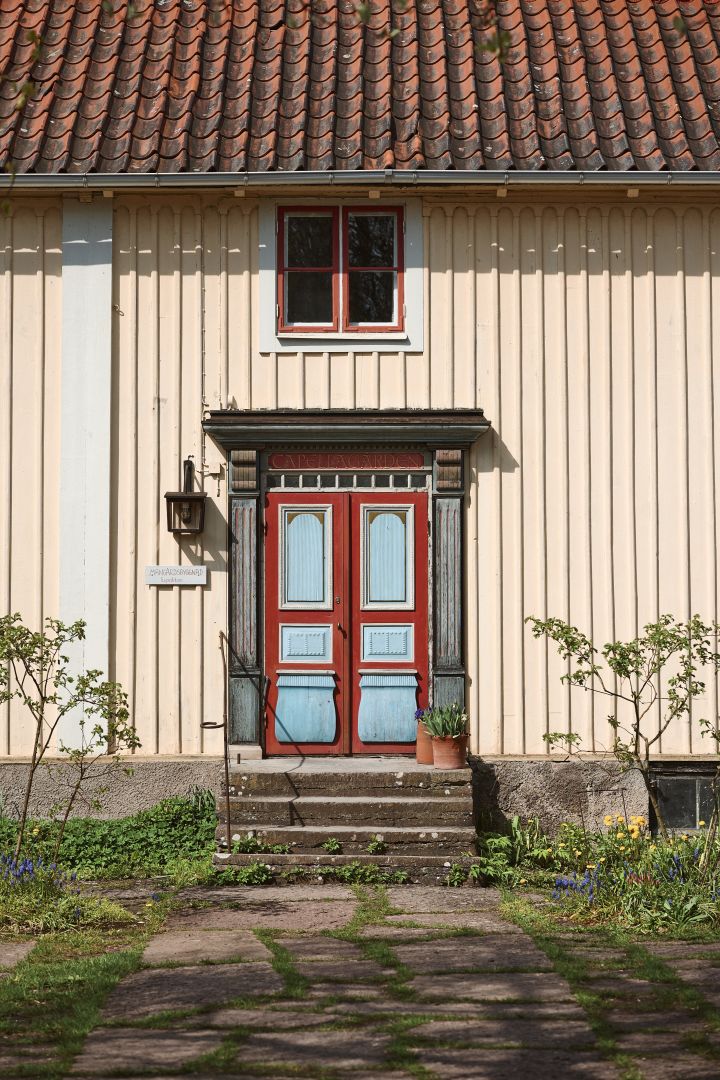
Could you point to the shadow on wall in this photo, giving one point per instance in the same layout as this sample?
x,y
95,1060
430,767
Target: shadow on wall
x,y
491,454
553,790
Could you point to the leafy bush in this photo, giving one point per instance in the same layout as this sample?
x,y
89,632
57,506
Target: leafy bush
x,y
146,843
36,897
624,876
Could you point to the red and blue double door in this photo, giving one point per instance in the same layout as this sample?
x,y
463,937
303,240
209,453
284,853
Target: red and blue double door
x,y
346,621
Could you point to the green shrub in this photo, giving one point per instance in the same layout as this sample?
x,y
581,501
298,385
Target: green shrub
x,y
145,844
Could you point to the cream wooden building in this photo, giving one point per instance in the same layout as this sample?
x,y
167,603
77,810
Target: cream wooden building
x,y
539,403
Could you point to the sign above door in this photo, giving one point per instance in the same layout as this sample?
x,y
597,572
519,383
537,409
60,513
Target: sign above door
x,y
351,460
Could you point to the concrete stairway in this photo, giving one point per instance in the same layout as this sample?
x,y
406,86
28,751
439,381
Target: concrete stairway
x,y
424,816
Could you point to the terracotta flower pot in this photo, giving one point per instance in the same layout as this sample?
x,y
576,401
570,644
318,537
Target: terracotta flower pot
x,y
449,753
423,745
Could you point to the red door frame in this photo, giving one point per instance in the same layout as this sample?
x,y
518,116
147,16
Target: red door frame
x,y
346,615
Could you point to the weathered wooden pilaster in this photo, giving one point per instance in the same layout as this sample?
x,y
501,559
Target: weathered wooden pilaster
x,y
448,660
245,673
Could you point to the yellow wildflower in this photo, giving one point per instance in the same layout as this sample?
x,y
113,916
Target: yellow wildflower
x,y
561,845
653,847
602,859
590,866
640,821
701,823
620,835
608,819
523,881
578,852
35,831
620,819
622,847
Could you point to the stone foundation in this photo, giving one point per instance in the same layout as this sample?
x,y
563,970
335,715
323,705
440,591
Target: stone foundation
x,y
581,791
153,780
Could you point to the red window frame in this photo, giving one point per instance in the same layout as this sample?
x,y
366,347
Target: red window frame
x,y
340,271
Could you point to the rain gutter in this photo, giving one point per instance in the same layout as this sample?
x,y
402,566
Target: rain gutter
x,y
259,181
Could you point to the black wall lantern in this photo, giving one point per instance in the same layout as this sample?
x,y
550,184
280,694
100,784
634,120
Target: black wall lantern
x,y
186,508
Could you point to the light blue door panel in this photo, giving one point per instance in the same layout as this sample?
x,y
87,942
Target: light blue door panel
x,y
304,569
387,708
387,553
390,643
305,710
311,644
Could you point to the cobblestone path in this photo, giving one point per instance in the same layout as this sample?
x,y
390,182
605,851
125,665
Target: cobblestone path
x,y
426,982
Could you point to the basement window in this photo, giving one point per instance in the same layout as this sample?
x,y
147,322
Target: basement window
x,y
685,796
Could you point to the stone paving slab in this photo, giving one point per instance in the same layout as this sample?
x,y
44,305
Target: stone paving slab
x,y
487,1064
341,971
157,990
484,921
534,1011
264,913
269,893
118,1050
519,1031
312,947
12,952
263,1018
462,954
679,1067
342,1049
429,898
528,986
204,947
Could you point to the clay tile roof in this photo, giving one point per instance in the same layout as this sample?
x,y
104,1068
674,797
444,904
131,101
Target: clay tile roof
x,y
289,85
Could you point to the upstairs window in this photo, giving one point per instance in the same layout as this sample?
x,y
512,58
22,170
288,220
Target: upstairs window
x,y
340,271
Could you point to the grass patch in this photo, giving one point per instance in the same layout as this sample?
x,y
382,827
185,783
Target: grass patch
x,y
296,985
54,998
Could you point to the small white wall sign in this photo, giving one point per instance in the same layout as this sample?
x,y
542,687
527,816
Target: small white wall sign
x,y
176,575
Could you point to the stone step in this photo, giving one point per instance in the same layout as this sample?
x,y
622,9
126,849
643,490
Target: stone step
x,y
413,782
419,868
357,811
308,840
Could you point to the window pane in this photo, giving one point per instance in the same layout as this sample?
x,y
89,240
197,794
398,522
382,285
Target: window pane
x,y
676,796
309,241
372,296
304,571
387,554
308,297
371,240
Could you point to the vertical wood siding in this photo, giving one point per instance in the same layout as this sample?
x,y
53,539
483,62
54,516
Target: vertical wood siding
x,y
30,312
588,334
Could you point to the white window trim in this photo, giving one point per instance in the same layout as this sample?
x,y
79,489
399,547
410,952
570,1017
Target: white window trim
x,y
293,605
408,340
406,605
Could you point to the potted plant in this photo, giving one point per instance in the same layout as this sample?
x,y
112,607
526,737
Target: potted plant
x,y
423,742
447,726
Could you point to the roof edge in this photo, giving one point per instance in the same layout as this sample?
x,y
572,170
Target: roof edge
x,y
254,181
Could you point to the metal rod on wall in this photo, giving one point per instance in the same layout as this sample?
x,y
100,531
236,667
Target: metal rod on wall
x,y
224,725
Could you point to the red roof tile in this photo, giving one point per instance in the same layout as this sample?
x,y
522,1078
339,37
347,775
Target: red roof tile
x,y
287,85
